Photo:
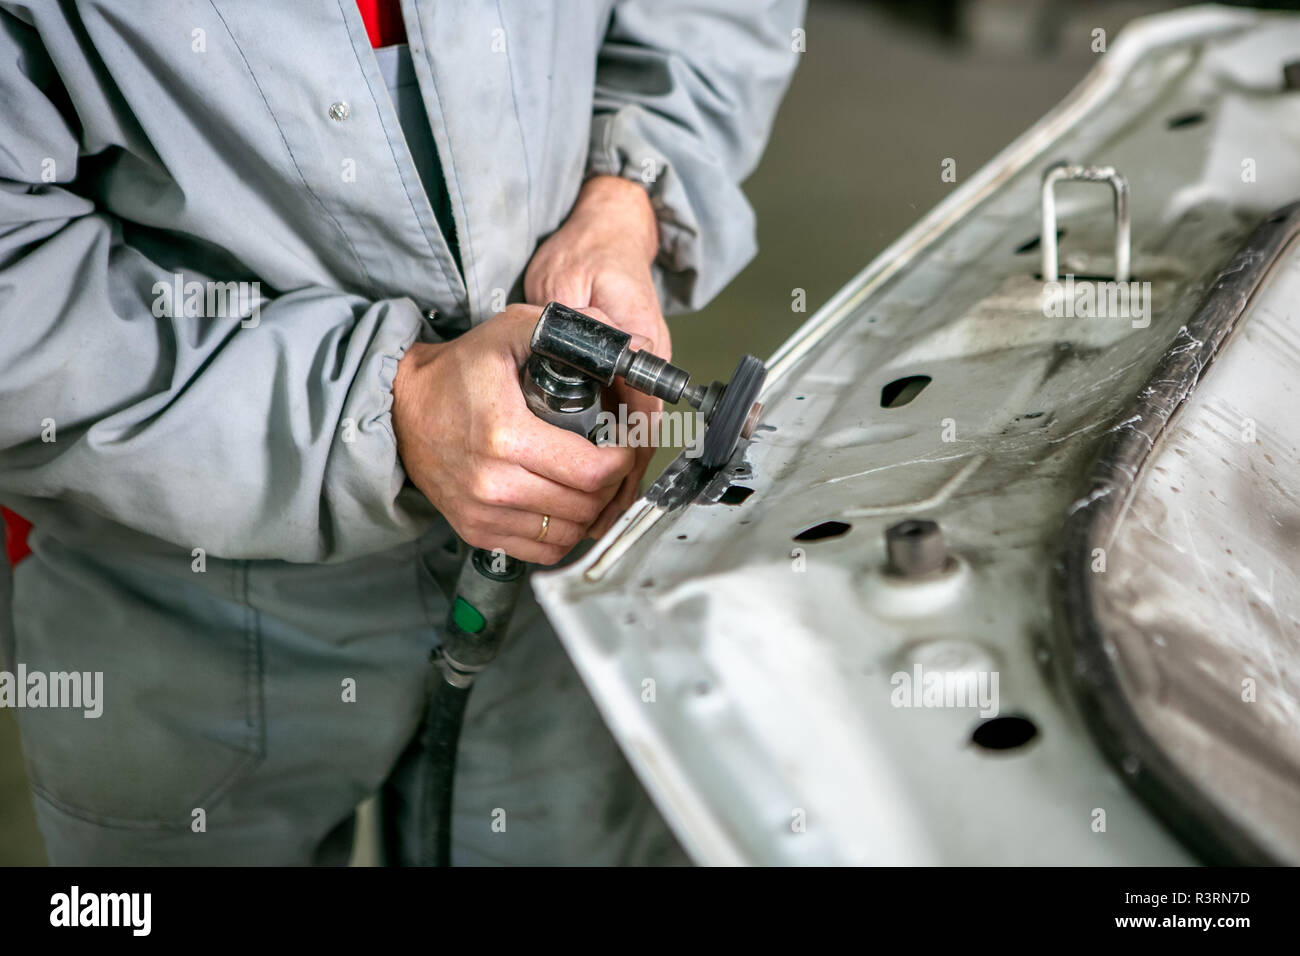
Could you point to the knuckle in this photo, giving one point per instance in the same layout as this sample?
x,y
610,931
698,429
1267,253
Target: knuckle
x,y
480,523
478,486
491,490
499,441
592,480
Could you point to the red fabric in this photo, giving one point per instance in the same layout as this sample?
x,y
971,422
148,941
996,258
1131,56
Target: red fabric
x,y
383,20
15,535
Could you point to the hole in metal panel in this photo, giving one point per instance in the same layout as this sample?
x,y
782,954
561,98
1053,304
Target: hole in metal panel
x,y
1029,245
1004,733
903,390
820,532
1184,120
1086,277
735,495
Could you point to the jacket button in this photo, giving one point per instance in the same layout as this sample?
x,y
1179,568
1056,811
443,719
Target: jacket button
x,y
340,111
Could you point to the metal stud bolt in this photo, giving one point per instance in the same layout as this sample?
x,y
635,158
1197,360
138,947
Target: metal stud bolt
x,y
915,547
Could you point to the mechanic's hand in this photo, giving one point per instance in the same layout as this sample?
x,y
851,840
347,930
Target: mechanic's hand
x,y
493,468
601,258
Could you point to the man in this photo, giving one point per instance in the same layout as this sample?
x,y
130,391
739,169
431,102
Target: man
x,y
258,370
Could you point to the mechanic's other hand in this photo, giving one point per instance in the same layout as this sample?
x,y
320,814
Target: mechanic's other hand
x,y
601,258
487,463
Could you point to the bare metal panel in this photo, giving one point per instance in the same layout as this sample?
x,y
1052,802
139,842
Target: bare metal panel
x,y
751,677
1187,643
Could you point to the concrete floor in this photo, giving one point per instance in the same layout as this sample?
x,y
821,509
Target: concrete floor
x,y
854,160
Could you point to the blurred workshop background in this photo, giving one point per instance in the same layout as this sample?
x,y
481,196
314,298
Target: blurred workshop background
x,y
887,89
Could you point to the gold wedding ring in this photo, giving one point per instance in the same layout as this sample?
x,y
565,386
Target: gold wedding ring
x,y
546,524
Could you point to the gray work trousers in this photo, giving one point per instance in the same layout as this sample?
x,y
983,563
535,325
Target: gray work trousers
x,y
248,708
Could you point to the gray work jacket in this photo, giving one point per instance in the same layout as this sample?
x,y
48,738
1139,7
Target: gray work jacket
x,y
152,148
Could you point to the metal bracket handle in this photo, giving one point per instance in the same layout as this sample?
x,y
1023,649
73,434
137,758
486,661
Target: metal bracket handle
x,y
1071,172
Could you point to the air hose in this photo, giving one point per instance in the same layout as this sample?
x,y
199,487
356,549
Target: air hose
x,y
573,357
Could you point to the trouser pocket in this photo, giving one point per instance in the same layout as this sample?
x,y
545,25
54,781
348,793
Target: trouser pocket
x,y
176,680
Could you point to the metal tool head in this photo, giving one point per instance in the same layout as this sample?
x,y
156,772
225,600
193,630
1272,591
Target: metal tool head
x,y
569,339
736,414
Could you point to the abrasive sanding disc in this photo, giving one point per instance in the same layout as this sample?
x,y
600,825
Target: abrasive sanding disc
x,y
728,420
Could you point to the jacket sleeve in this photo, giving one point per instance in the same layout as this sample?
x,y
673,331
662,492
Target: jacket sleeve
x,y
686,91
261,434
